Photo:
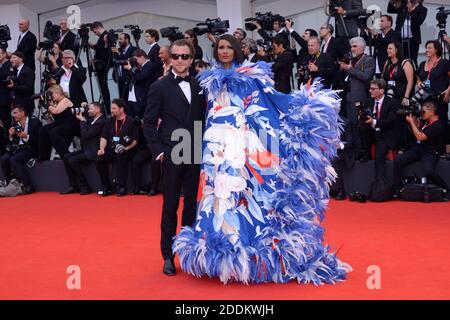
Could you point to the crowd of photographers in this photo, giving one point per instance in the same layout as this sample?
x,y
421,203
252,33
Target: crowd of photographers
x,y
391,106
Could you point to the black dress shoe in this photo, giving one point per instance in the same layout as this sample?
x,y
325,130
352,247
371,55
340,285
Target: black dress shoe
x,y
122,191
396,194
27,189
85,191
169,267
70,190
341,195
152,192
104,192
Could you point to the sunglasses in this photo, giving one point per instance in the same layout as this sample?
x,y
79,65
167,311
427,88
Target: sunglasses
x,y
175,56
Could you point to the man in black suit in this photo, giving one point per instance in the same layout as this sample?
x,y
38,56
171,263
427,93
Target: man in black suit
x,y
23,86
410,17
348,13
279,29
381,41
152,38
124,52
102,60
117,144
320,65
67,37
282,67
72,79
91,130
141,79
381,128
6,70
23,136
27,43
250,49
178,101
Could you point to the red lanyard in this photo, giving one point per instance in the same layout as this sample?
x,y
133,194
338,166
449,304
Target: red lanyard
x,y
394,70
432,68
429,124
118,130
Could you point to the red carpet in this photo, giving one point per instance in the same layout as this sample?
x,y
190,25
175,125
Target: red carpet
x,y
115,242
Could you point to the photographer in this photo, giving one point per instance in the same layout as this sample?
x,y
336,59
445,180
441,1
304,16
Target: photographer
x,y
117,144
22,84
52,60
250,50
190,36
90,132
23,136
349,10
278,27
60,133
164,56
411,15
145,74
283,64
429,138
67,37
27,43
6,71
123,53
358,74
434,75
151,38
381,40
381,125
319,65
102,59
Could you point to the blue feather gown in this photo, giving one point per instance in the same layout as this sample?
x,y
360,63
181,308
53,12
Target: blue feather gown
x,y
264,183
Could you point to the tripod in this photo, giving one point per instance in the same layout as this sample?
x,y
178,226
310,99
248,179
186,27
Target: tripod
x,y
445,45
341,19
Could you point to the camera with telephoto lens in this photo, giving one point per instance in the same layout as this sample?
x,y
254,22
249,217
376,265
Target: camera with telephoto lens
x,y
303,73
56,75
414,108
83,109
8,77
52,33
390,92
17,127
363,112
5,35
213,26
123,62
172,33
265,20
44,100
119,144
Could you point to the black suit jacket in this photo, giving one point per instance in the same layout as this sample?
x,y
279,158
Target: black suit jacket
x,y
68,42
28,46
353,10
388,120
90,136
34,126
267,38
417,18
76,91
5,93
166,101
24,89
302,56
142,79
282,69
122,76
103,55
348,153
153,56
326,69
381,45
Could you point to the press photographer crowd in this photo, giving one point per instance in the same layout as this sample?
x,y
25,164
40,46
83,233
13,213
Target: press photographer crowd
x,y
392,107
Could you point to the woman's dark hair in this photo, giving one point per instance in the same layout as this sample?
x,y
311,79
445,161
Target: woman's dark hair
x,y
436,45
399,49
238,55
192,34
201,64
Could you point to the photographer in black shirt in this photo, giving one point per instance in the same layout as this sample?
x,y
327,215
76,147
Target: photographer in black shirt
x,y
429,143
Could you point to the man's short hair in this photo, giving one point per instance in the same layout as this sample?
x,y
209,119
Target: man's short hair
x,y
388,18
96,24
120,103
126,36
3,49
430,105
315,39
153,33
182,43
20,107
380,83
140,53
244,34
312,32
69,53
98,105
20,55
280,40
358,41
251,44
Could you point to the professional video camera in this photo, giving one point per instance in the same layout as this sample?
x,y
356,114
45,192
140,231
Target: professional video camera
x,y
363,112
136,31
332,5
172,33
113,36
5,36
214,26
83,31
414,108
441,17
266,21
52,33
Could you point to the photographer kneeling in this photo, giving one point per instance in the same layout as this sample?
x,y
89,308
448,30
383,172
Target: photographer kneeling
x,y
118,141
90,132
23,136
429,142
60,133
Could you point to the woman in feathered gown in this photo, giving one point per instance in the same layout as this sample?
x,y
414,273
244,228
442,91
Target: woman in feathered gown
x,y
265,178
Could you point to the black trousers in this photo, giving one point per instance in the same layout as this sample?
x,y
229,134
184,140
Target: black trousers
x,y
120,161
17,163
5,115
136,109
411,50
381,151
339,165
141,157
428,158
72,163
174,177
102,75
57,135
